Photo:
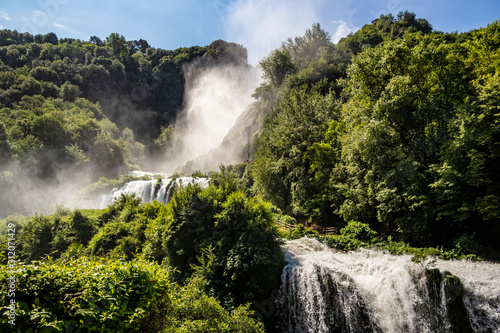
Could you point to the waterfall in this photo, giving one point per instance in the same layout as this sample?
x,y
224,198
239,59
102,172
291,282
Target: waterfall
x,y
481,281
324,290
160,189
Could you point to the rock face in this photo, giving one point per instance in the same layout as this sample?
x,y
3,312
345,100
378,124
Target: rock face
x,y
239,144
447,294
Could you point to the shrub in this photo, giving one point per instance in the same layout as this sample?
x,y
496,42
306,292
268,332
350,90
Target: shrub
x,y
300,231
98,295
287,219
359,231
36,238
241,231
108,237
466,244
343,243
88,294
193,311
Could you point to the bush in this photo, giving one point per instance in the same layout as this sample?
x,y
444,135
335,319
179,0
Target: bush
x,y
359,231
343,243
53,234
193,311
92,295
466,244
36,238
300,231
108,238
241,231
88,294
287,219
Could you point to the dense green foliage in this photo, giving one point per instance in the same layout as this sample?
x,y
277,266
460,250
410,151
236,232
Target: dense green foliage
x,y
395,126
88,109
138,86
215,241
220,221
100,295
356,235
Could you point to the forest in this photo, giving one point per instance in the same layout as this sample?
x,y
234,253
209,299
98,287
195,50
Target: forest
x,y
391,135
395,126
72,109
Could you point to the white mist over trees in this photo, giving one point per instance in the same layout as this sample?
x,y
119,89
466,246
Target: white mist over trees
x,y
262,26
74,111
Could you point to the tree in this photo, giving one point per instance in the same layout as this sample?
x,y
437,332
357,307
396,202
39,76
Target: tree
x,y
36,237
117,43
69,92
281,172
401,96
5,150
50,38
278,67
142,45
44,74
309,47
466,178
96,40
232,235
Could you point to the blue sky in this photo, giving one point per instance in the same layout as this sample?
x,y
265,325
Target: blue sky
x,y
260,25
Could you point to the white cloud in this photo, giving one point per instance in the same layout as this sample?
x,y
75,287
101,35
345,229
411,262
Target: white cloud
x,y
4,15
342,29
262,25
75,33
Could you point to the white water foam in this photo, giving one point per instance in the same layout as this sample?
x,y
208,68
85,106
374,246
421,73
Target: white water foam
x,y
390,291
148,190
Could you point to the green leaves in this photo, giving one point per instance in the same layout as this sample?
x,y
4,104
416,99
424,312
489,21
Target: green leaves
x,y
414,149
401,97
104,295
300,119
278,67
244,261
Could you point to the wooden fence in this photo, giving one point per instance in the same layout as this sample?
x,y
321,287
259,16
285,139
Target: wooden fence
x,y
285,225
320,229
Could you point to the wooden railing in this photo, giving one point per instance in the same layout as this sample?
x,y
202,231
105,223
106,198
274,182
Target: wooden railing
x,y
330,231
321,230
285,225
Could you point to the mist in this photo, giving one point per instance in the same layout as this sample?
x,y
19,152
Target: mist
x,y
215,96
262,26
23,192
216,93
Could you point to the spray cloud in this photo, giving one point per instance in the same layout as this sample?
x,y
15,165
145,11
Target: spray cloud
x,y
262,26
215,96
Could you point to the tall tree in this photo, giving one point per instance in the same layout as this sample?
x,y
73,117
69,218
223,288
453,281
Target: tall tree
x,y
401,96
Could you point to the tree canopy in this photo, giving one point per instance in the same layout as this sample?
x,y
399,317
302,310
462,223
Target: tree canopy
x,y
408,144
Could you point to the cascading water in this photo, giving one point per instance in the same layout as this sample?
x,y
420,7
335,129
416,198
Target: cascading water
x,y
371,291
482,285
160,190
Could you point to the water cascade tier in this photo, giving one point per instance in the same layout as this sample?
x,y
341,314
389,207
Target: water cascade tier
x,y
324,290
159,189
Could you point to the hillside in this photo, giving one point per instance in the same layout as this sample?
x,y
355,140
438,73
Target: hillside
x,y
72,111
395,126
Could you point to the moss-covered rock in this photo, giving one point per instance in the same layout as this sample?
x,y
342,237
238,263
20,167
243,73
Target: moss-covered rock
x,y
447,292
454,298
